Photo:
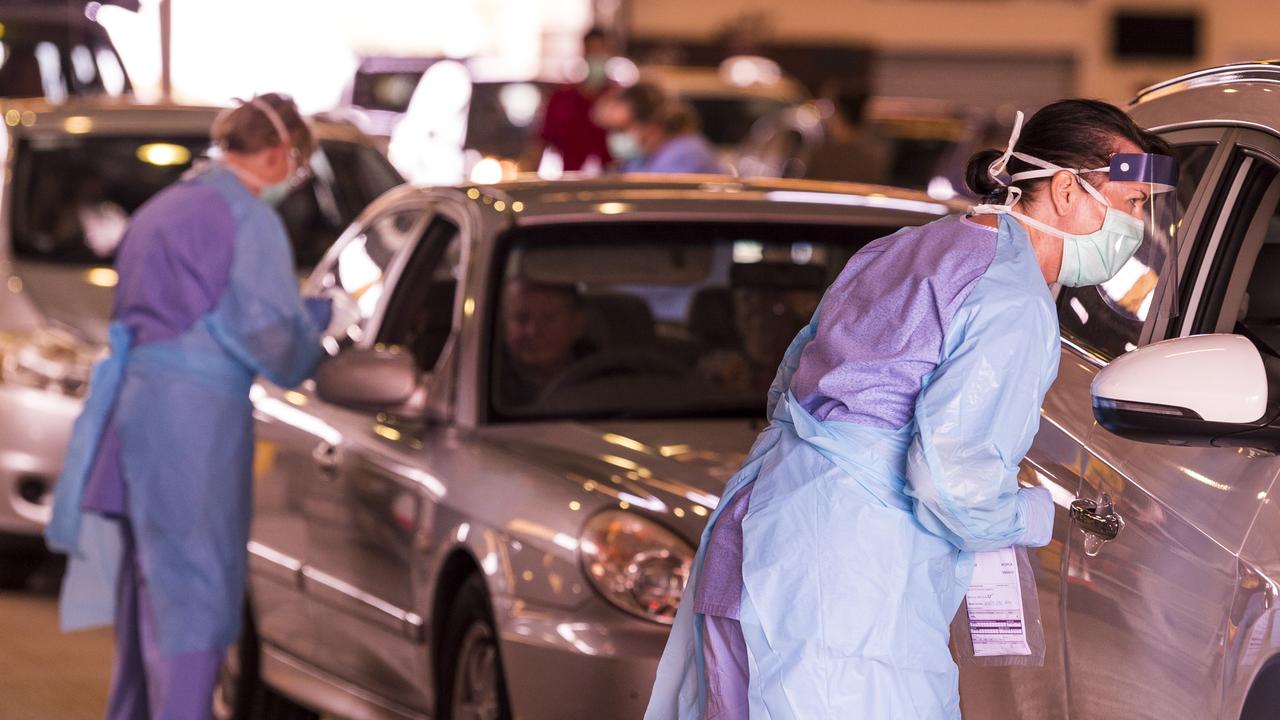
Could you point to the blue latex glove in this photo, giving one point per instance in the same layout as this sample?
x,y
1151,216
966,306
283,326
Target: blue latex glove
x,y
1037,508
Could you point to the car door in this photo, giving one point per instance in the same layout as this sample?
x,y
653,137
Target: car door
x,y
369,514
1147,611
1053,462
291,435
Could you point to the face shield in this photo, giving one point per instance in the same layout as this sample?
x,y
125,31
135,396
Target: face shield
x,y
1146,192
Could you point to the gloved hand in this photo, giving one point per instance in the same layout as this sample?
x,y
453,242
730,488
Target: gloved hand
x,y
1035,504
321,311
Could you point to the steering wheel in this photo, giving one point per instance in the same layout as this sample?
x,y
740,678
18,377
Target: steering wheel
x,y
615,362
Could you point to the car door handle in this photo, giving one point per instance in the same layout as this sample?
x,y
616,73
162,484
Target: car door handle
x,y
1098,520
327,457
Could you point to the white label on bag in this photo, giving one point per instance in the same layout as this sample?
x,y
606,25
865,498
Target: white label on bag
x,y
995,605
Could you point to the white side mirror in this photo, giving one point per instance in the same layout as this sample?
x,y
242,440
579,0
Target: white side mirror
x,y
1191,390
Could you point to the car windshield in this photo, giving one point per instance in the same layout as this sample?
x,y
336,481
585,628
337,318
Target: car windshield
x,y
58,60
727,120
72,195
389,90
501,115
657,320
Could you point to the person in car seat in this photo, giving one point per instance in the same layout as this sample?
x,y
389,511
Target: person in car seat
x,y
543,333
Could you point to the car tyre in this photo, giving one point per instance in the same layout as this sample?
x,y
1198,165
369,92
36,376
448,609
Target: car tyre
x,y
240,694
18,564
471,683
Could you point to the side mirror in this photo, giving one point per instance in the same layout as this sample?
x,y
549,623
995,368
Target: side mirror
x,y
1206,390
373,379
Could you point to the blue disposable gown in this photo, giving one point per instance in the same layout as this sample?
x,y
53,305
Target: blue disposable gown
x,y
182,413
857,550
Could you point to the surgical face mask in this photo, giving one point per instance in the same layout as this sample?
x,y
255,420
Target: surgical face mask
x,y
596,75
624,146
1096,258
275,193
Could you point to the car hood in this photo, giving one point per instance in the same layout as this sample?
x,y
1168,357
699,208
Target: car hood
x,y
650,465
75,296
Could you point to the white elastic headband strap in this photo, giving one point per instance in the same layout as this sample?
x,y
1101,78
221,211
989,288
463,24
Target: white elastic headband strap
x,y
266,109
998,165
1048,169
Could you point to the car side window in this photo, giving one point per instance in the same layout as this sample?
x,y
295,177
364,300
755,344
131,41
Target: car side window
x,y
420,314
358,272
1107,319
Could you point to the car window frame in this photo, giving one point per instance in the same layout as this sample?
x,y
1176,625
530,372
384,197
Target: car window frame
x,y
1209,307
375,213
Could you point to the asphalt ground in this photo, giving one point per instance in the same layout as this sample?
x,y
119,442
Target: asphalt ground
x,y
46,674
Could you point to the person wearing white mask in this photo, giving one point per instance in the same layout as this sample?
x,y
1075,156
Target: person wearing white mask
x,y
154,499
829,573
567,125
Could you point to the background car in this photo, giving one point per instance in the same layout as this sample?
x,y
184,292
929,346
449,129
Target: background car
x,y
929,142
446,525
55,51
73,175
1157,591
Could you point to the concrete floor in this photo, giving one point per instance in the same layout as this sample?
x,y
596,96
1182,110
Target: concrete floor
x,y
44,673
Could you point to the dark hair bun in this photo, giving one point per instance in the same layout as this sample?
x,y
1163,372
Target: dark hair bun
x,y
978,173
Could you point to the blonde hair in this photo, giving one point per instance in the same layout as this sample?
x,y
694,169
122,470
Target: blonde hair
x,y
248,128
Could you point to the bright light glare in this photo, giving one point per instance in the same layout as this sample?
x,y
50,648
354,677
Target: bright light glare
x,y
78,124
102,277
164,154
487,172
520,101
622,71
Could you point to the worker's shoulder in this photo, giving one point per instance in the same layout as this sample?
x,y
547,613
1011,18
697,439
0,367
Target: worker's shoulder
x,y
185,202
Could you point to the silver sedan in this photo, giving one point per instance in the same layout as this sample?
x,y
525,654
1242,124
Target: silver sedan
x,y
486,504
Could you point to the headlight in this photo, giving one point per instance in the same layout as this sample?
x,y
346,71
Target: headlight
x,y
636,563
48,359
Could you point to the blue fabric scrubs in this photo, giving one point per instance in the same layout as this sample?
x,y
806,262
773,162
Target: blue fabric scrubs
x,y
897,421
154,501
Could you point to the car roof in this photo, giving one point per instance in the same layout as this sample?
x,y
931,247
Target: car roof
x,y
708,82
704,198
1246,94
121,116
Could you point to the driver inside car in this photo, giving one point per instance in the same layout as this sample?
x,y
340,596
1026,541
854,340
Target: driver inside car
x,y
543,333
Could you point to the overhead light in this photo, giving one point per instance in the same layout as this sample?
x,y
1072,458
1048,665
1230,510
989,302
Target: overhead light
x,y
103,277
164,154
78,124
612,208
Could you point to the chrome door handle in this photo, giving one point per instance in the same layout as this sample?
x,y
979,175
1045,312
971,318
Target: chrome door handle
x,y
1098,521
326,456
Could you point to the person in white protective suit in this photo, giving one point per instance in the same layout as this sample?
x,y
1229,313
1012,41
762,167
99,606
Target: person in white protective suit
x,y
830,572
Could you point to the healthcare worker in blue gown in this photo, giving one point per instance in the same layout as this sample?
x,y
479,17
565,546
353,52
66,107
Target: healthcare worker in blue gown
x,y
830,572
154,500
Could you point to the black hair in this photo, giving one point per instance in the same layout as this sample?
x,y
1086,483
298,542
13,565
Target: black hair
x,y
1074,133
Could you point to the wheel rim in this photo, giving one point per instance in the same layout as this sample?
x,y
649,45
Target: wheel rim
x,y
475,686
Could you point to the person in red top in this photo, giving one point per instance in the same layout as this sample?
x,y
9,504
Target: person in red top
x,y
567,126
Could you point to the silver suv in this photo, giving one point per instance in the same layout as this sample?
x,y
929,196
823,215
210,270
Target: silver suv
x,y
1159,589
72,175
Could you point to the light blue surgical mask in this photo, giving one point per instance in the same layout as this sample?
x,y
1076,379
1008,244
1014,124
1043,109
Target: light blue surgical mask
x,y
1094,258
624,147
597,74
275,193
1097,257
